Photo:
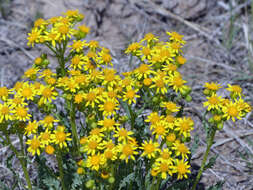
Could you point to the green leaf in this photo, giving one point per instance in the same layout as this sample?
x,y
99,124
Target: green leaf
x,y
217,186
211,162
127,180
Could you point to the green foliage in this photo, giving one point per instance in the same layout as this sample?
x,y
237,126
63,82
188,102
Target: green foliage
x,y
211,162
217,186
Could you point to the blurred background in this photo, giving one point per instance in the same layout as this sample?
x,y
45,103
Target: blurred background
x,y
219,49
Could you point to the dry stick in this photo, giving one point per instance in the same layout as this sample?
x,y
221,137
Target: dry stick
x,y
240,141
219,143
13,44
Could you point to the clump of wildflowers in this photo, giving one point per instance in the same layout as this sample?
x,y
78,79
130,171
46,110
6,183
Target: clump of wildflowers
x,y
113,132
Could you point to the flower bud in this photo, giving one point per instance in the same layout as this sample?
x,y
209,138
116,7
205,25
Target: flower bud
x,y
111,180
89,184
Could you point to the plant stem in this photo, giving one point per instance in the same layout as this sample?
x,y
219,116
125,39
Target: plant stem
x,y
21,159
74,130
209,145
60,167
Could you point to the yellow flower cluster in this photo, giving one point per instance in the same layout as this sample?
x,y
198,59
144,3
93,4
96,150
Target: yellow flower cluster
x,y
223,109
117,130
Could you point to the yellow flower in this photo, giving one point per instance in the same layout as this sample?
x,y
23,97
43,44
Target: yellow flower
x,y
110,78
91,97
171,138
170,106
31,128
160,83
143,71
47,94
109,107
177,83
133,48
21,113
174,36
122,134
212,86
33,37
127,151
78,61
181,150
60,137
93,45
108,124
164,168
5,112
52,36
45,137
79,98
232,110
96,132
27,91
34,146
130,95
181,168
95,161
150,149
184,126
214,102
160,129
49,149
77,45
48,121
165,155
31,73
40,23
153,118
235,90
93,145
4,93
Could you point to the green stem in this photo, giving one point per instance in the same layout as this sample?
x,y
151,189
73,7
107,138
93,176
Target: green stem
x,y
209,145
74,130
132,116
21,159
60,167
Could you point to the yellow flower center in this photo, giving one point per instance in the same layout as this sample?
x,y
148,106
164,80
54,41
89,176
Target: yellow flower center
x,y
171,137
175,45
106,58
164,167
123,133
236,88
77,45
75,60
95,160
185,126
181,60
146,51
47,92
213,100
159,83
27,92
143,68
149,36
109,106
127,150
20,111
63,29
78,98
233,111
149,148
160,130
3,91
35,144
45,136
108,123
48,119
60,136
5,110
147,81
165,155
108,154
110,145
92,144
52,36
130,94
91,96
109,76
178,81
182,149
49,149
95,131
181,168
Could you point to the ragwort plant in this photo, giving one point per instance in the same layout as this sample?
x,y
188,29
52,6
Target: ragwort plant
x,y
107,130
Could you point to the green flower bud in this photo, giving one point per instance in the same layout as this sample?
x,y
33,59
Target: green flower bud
x,y
89,184
188,98
220,125
111,180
